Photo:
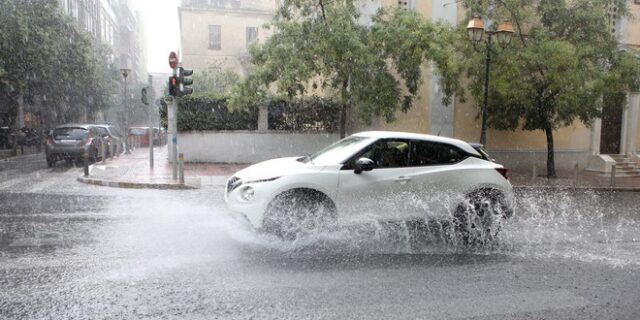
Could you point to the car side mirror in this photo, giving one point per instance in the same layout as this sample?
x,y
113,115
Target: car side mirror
x,y
364,164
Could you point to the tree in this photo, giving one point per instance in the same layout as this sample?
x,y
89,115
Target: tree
x,y
215,80
561,63
320,45
48,64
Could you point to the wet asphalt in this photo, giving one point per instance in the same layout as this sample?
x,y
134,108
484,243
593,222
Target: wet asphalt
x,y
75,251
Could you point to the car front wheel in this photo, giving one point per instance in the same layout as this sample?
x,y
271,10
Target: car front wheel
x,y
297,212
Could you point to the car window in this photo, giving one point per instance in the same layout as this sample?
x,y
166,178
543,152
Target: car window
x,y
102,131
388,153
69,133
427,153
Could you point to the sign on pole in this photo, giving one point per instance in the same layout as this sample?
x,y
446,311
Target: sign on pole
x,y
173,60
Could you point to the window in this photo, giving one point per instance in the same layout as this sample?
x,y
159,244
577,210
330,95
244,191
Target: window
x,y
388,153
427,153
214,37
68,133
252,35
102,131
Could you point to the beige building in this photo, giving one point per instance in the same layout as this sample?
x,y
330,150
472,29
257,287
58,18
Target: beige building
x,y
217,33
590,147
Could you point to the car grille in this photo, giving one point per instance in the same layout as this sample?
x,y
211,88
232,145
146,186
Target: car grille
x,y
233,183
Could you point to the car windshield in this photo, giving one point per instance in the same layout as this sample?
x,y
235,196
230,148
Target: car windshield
x,y
69,133
340,151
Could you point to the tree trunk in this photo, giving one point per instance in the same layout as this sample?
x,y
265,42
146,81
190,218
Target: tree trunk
x,y
551,166
343,121
20,111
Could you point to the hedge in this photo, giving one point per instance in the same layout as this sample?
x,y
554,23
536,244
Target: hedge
x,y
205,113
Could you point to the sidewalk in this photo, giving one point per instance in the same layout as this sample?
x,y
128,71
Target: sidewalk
x,y
132,171
586,180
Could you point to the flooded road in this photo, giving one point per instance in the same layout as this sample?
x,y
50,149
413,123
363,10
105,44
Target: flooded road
x,y
75,251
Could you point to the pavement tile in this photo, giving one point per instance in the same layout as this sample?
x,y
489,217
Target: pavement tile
x,y
132,171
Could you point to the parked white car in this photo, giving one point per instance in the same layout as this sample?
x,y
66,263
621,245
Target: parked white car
x,y
374,175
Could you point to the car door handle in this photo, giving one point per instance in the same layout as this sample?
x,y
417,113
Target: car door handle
x,y
402,179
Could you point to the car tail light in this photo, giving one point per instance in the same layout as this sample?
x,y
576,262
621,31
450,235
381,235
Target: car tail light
x,y
49,141
504,172
88,141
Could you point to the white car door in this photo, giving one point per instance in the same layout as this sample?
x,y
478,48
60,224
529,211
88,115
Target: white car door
x,y
437,180
424,186
379,193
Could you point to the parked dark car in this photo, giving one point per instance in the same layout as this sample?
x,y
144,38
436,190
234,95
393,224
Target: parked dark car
x,y
112,136
71,142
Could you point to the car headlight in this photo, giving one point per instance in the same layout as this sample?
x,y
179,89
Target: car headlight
x,y
247,193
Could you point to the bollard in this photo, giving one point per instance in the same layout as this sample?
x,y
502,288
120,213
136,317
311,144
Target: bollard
x,y
534,174
612,183
181,167
103,151
575,174
112,148
85,157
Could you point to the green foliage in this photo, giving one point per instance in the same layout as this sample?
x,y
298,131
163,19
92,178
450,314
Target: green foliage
x,y
322,46
48,60
560,63
210,112
214,80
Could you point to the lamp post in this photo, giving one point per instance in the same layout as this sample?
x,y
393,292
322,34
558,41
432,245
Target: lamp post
x,y
503,32
125,74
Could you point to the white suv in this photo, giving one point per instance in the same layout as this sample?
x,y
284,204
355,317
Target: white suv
x,y
380,175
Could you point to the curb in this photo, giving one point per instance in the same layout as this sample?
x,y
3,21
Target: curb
x,y
135,185
577,189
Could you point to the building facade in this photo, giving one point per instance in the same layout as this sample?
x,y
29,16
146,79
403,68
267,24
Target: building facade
x,y
217,33
617,133
115,24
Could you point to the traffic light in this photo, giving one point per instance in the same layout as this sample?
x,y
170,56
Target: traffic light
x,y
184,80
173,86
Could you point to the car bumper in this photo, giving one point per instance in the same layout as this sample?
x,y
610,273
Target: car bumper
x,y
59,153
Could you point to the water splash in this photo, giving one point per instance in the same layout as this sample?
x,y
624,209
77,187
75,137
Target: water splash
x,y
583,225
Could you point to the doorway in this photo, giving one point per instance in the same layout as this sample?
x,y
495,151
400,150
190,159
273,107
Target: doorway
x,y
611,127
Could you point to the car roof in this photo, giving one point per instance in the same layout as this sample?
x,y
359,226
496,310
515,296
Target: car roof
x,y
75,125
418,136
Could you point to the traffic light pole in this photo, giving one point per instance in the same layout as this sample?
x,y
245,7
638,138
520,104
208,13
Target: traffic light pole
x,y
172,131
150,108
179,84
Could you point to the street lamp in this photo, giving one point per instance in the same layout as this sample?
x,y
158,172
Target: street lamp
x,y
503,32
125,74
